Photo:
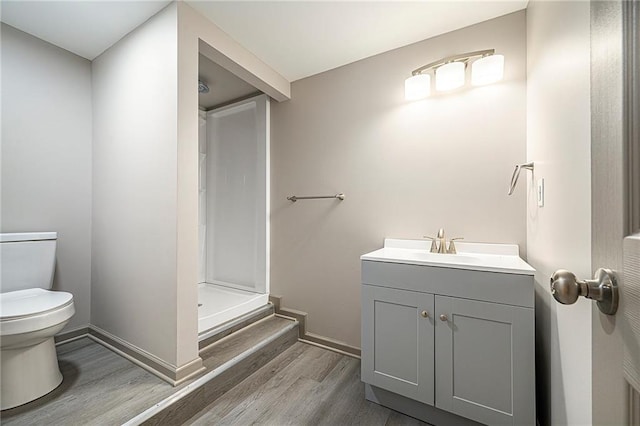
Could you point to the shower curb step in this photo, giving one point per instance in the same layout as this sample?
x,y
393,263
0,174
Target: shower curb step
x,y
227,362
237,324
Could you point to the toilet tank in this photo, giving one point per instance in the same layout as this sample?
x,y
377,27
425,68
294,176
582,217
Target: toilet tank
x,y
27,260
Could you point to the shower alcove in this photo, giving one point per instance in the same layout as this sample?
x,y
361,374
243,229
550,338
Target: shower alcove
x,y
233,276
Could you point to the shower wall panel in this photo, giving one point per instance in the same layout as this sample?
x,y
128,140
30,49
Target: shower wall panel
x,y
237,195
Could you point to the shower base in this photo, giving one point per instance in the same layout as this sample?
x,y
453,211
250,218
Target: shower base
x,y
219,304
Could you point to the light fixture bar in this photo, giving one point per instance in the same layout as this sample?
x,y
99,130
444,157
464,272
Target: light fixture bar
x,y
453,58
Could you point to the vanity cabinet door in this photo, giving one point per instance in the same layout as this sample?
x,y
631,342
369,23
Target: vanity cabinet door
x,y
397,341
485,361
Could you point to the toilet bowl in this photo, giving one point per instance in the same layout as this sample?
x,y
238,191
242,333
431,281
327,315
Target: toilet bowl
x,y
30,316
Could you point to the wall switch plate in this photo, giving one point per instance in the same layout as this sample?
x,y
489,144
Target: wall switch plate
x,y
540,192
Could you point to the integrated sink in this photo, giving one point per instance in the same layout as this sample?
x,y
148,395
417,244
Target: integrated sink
x,y
426,256
473,256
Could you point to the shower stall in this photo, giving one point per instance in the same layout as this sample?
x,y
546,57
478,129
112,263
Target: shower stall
x,y
233,276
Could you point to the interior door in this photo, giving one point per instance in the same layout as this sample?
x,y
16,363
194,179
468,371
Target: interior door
x,y
615,168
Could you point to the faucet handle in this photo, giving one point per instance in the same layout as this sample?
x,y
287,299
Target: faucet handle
x,y
434,245
452,246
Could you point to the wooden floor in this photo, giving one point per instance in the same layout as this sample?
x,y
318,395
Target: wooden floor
x,y
100,388
215,355
305,385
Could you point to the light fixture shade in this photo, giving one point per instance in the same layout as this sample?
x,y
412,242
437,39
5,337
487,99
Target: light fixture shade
x,y
417,87
450,76
487,70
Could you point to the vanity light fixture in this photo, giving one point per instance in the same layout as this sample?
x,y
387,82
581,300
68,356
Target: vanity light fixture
x,y
450,76
487,70
450,73
417,87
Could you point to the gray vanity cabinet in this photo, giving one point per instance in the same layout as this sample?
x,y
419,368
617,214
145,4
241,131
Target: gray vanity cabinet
x,y
485,361
398,326
456,341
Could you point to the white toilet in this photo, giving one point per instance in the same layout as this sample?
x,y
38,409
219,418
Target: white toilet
x,y
30,315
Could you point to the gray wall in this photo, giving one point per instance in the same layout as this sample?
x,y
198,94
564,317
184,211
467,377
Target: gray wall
x,y
407,169
135,147
559,234
46,155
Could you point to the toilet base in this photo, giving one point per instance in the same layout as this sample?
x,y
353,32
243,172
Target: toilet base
x,y
28,373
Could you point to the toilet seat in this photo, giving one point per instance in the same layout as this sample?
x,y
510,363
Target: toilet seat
x,y
25,311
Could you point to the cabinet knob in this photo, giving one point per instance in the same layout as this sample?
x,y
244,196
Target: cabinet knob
x,y
424,314
443,317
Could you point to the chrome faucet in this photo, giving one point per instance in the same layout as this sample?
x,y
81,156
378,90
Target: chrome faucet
x,y
439,243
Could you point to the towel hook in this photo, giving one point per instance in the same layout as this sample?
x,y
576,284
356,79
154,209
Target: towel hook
x,y
516,175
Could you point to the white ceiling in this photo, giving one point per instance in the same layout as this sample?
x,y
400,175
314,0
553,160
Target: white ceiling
x,y
302,38
296,38
86,28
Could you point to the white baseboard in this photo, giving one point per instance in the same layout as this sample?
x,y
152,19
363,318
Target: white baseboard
x,y
306,336
167,372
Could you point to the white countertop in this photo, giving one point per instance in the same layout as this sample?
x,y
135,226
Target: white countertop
x,y
503,258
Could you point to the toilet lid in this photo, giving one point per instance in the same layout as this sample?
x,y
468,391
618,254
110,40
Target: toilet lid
x,y
22,303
